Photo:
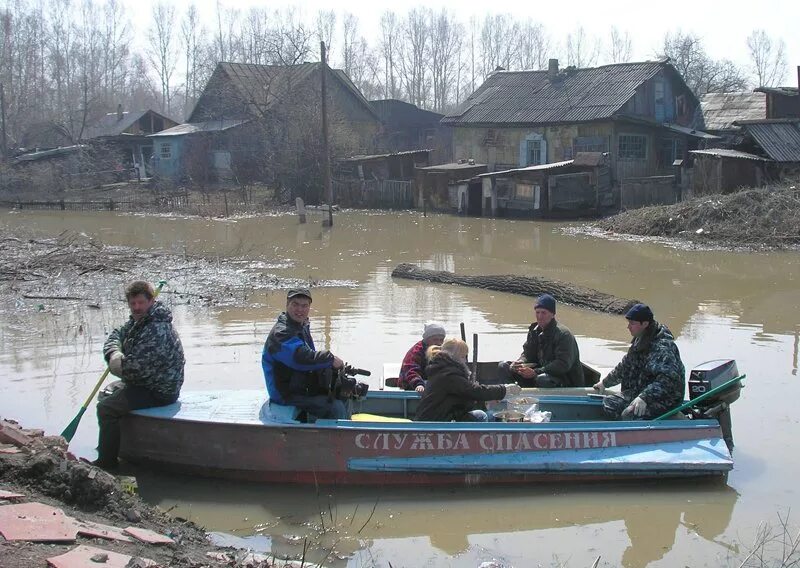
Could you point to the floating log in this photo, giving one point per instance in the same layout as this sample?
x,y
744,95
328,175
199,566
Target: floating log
x,y
564,292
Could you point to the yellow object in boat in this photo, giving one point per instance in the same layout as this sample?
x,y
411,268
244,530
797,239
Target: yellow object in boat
x,y
364,417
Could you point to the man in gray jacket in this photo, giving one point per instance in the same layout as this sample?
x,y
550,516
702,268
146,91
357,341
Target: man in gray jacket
x,y
147,355
550,355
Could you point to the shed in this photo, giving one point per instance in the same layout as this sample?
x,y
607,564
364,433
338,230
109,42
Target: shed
x,y
722,170
433,183
378,180
570,188
199,150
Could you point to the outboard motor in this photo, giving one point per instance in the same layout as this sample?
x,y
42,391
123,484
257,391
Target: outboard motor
x,y
708,376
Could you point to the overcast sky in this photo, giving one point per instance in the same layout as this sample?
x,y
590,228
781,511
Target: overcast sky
x,y
724,26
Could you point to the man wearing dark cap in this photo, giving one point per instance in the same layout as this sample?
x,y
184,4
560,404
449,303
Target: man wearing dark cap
x,y
550,355
292,365
652,374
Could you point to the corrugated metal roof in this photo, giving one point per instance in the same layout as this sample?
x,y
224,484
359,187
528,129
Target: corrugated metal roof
x,y
538,168
114,125
262,85
365,158
530,97
192,127
690,131
728,153
454,166
780,139
42,154
719,111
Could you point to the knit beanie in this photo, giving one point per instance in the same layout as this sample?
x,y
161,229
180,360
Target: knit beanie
x,y
433,328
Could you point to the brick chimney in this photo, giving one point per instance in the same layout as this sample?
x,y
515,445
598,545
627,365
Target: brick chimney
x,y
552,69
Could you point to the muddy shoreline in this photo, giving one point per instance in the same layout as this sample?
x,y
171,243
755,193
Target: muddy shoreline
x,y
761,219
44,471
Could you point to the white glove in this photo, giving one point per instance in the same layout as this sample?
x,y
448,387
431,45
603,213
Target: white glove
x,y
599,387
638,407
512,389
115,363
420,388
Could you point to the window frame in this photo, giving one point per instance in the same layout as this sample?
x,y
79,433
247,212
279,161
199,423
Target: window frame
x,y
627,156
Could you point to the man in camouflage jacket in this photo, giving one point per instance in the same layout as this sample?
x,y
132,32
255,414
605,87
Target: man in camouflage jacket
x,y
651,373
147,355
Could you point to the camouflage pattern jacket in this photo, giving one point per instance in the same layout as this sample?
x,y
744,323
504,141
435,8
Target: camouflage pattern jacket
x,y
652,369
153,353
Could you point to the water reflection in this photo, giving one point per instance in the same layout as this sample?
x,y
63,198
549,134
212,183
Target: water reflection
x,y
532,523
718,304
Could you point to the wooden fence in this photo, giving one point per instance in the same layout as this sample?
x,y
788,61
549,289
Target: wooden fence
x,y
641,192
158,202
390,194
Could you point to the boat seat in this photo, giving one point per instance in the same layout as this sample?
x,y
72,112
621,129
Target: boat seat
x,y
280,413
364,417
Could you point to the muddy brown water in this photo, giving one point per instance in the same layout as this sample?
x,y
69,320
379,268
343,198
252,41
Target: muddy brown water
x,y
718,304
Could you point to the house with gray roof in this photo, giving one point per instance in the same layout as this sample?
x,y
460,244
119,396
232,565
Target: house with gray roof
x,y
719,112
639,113
253,120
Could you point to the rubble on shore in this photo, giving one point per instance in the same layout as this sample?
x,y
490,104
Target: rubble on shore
x,y
762,218
85,512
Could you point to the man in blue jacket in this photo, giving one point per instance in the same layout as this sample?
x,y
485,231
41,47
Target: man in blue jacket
x,y
293,367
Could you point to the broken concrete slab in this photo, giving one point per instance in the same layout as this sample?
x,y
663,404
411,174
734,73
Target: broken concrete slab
x,y
12,434
10,495
9,449
81,557
148,536
98,530
36,522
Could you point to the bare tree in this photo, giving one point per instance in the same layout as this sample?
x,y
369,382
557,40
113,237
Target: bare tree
x,y
499,43
534,46
582,50
389,32
326,28
414,55
620,46
290,42
116,48
701,73
446,33
191,32
767,59
163,52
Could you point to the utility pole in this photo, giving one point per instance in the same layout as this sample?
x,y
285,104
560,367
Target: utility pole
x,y
4,148
326,158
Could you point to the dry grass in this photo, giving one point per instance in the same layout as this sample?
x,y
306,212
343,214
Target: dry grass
x,y
759,218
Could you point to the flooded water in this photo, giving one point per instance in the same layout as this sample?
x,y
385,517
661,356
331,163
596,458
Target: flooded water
x,y
718,304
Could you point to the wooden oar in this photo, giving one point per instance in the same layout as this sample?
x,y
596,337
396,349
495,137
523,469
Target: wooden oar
x,y
701,398
72,427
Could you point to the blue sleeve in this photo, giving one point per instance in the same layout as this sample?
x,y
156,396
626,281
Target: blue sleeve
x,y
298,356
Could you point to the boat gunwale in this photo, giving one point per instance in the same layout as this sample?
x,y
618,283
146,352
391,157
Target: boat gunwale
x,y
351,425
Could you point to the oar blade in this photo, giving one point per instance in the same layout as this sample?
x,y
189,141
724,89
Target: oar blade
x,y
72,427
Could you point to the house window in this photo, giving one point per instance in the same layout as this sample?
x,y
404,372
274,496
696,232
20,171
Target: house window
x,y
632,147
165,151
534,152
590,144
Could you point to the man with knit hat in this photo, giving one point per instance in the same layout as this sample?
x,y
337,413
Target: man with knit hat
x,y
412,371
550,355
652,374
